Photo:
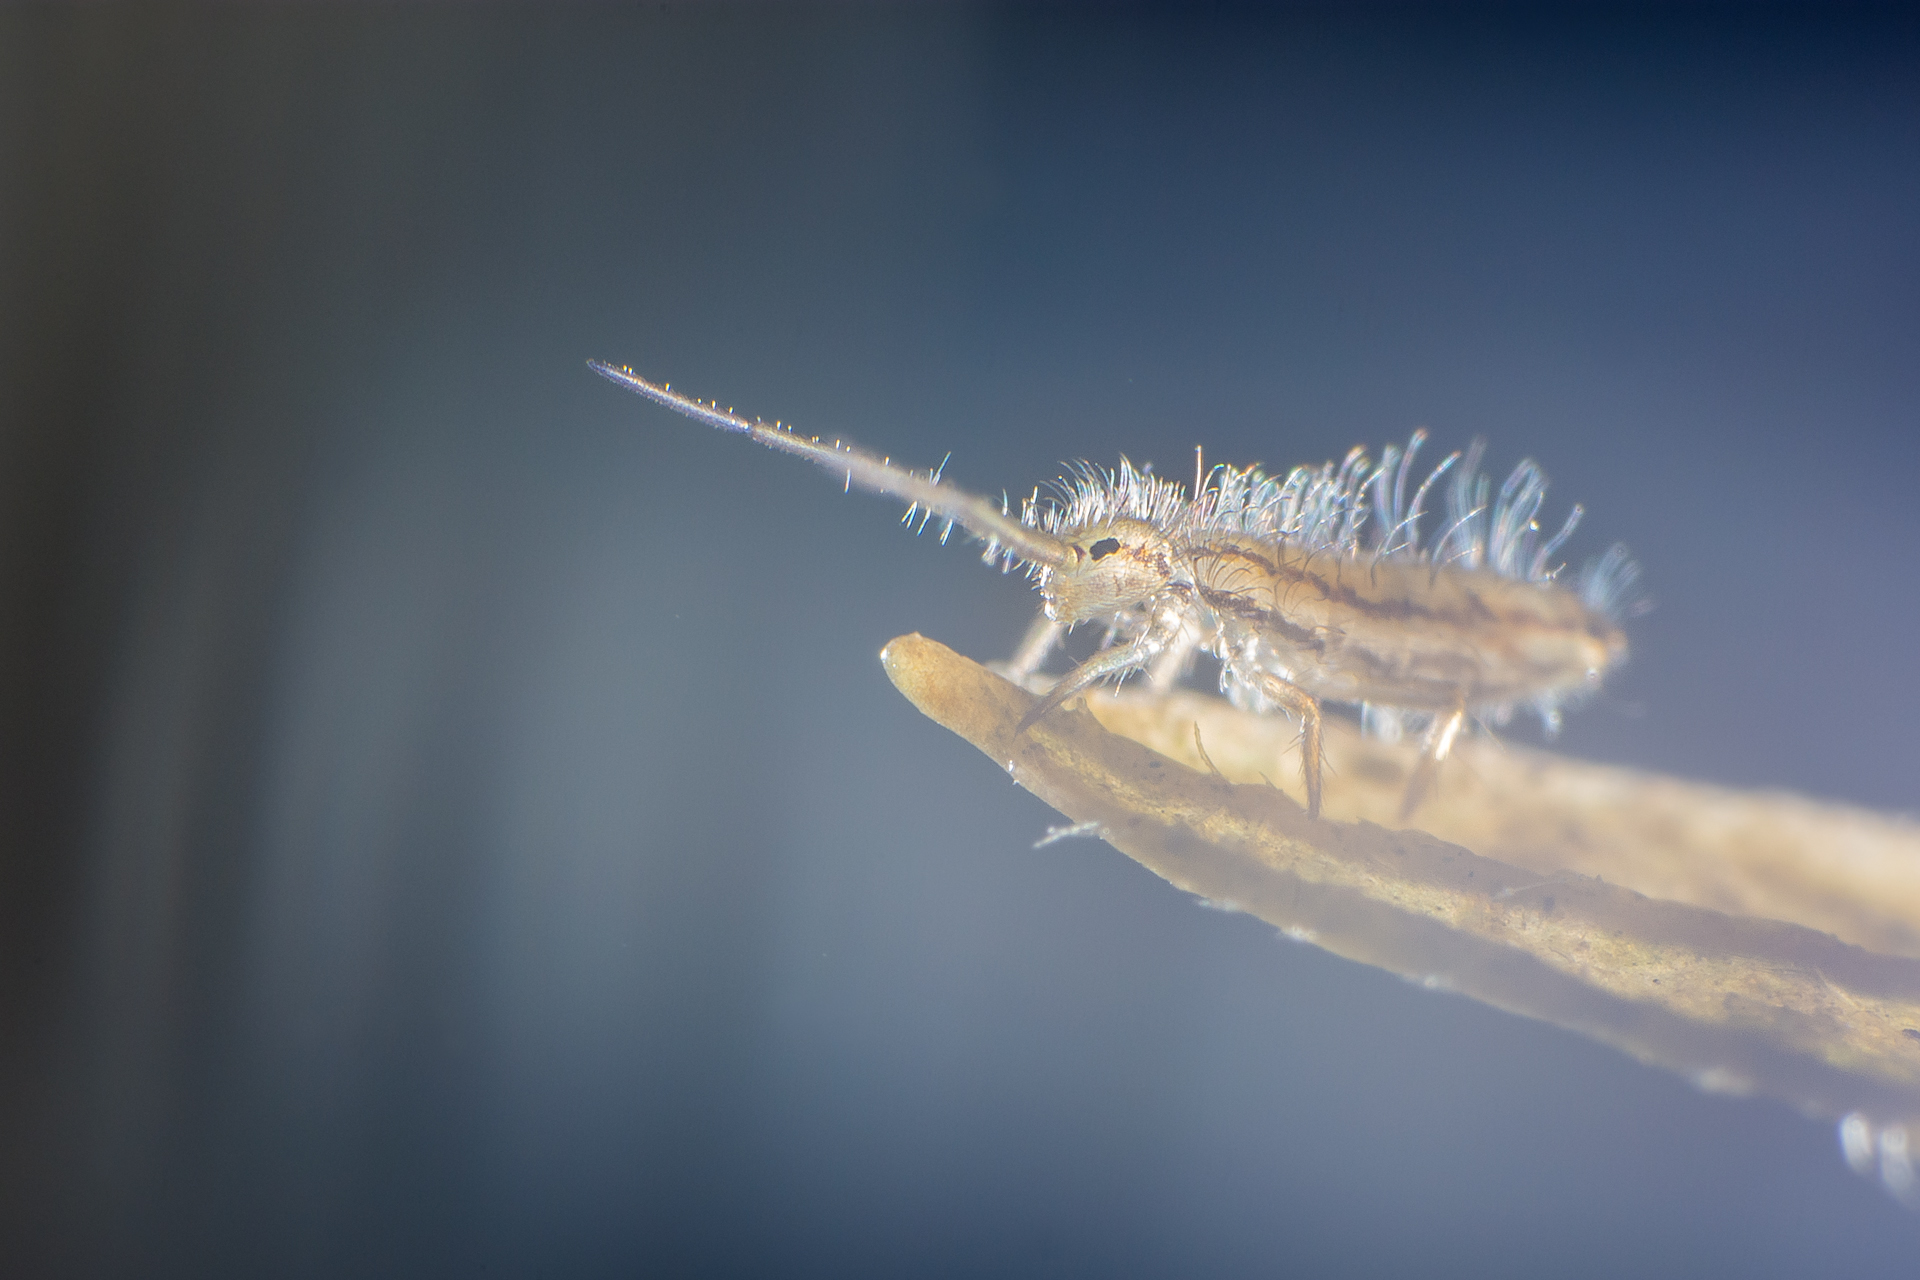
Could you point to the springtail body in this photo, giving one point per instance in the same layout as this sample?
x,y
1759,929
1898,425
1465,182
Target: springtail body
x,y
1317,586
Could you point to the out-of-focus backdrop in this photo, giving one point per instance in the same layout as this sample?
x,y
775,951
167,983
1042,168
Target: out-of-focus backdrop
x,y
454,818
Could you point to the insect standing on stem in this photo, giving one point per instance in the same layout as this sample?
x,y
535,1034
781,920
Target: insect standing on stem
x,y
1311,587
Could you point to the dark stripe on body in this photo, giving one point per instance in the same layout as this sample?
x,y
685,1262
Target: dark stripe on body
x,y
1399,609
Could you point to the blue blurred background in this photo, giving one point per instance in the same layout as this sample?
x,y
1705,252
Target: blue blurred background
x,y
455,821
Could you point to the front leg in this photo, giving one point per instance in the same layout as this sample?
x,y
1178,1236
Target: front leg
x,y
1116,661
1164,672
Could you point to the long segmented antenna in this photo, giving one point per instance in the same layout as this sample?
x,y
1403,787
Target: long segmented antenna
x,y
978,516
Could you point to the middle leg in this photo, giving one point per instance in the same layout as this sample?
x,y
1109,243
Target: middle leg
x,y
1306,708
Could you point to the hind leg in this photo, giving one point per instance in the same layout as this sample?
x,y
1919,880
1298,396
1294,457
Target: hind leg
x,y
1440,735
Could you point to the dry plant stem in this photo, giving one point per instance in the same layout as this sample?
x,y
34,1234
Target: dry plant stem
x,y
1734,1003
1845,871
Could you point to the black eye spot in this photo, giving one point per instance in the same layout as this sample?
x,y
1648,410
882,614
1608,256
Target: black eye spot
x,y
1103,548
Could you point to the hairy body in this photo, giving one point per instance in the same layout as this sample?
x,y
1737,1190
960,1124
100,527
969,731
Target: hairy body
x,y
1396,632
1308,588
